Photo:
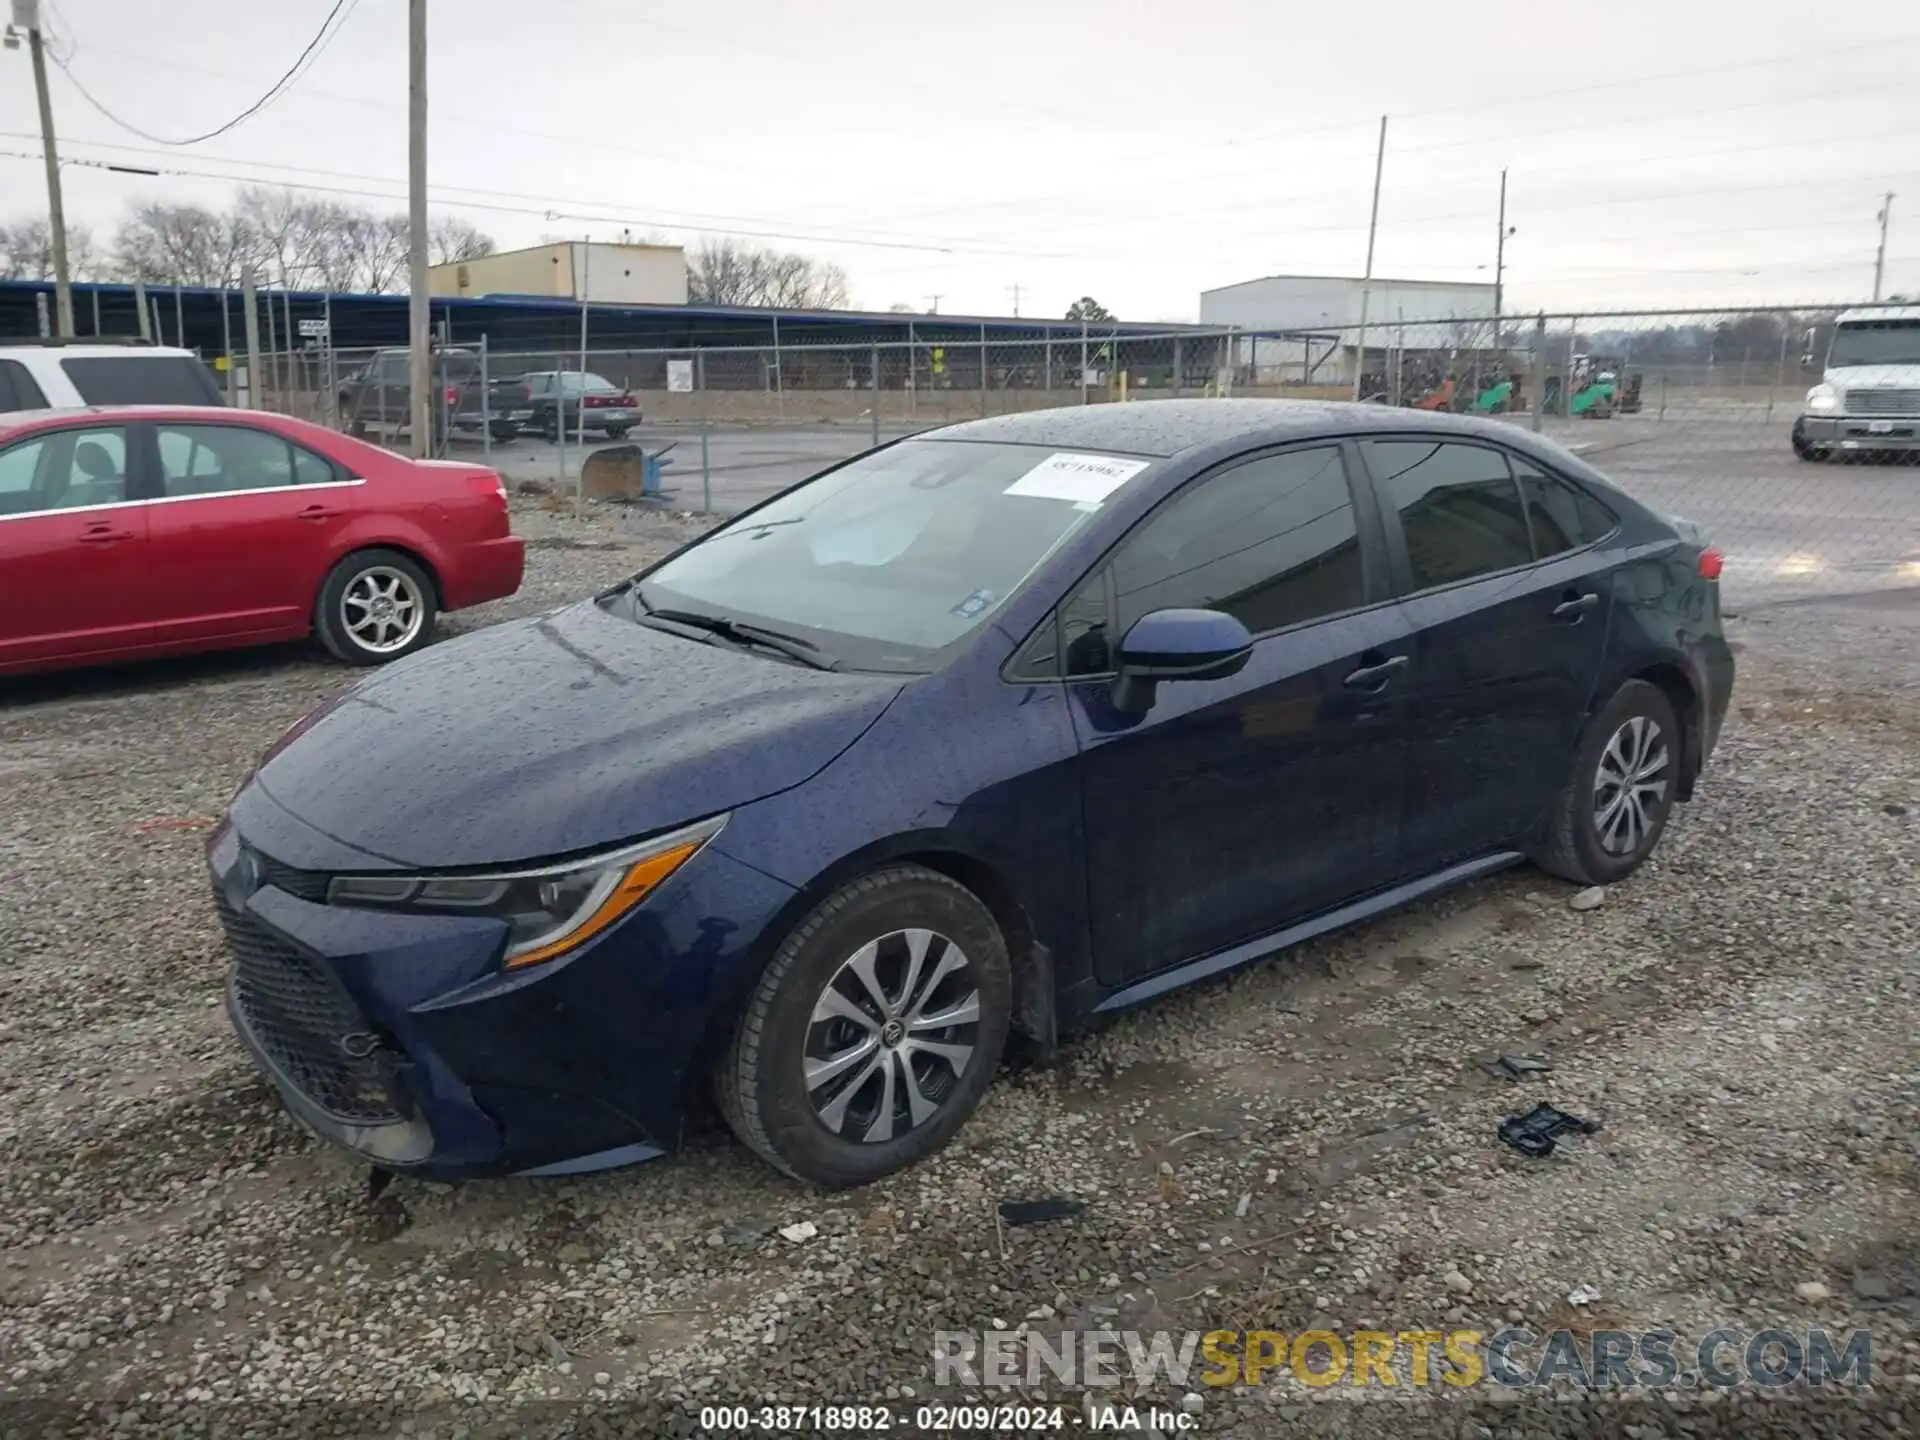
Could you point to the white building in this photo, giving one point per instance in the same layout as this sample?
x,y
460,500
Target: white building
x,y
1320,318
572,270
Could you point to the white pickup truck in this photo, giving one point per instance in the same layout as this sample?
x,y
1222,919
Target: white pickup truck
x,y
1868,398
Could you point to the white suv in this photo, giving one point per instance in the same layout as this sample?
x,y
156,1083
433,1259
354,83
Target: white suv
x,y
65,374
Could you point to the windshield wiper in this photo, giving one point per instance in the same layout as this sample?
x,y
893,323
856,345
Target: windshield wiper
x,y
742,633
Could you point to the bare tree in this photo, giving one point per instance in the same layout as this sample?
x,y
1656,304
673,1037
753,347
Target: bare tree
x,y
451,240
183,245
26,251
725,271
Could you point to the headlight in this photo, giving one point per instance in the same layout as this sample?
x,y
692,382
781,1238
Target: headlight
x,y
1823,398
548,910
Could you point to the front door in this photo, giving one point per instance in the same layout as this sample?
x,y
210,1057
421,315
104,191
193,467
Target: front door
x,y
242,534
1510,634
73,549
1233,807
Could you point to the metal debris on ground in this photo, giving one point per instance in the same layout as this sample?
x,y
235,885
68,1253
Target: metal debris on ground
x,y
1533,1133
1516,1067
1038,1212
1583,1295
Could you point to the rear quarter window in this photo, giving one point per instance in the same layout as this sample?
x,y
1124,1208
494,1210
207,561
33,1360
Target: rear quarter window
x,y
142,380
18,389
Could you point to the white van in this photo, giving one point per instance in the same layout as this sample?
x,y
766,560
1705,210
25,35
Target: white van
x,y
67,374
1868,399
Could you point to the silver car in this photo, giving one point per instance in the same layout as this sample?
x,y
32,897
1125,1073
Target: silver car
x,y
579,401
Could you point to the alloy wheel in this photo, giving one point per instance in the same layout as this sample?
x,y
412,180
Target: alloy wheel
x,y
1630,785
382,610
891,1036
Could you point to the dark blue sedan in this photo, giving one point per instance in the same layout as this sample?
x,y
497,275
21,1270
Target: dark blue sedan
x,y
976,735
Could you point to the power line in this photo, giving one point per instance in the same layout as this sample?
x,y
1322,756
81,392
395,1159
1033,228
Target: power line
x,y
309,53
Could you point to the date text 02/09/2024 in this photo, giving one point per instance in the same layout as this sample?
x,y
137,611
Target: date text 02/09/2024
x,y
931,1419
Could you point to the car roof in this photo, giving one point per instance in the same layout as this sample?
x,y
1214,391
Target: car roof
x,y
1877,314
1163,428
122,351
16,420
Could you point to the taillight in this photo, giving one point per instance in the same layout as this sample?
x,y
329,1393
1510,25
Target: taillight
x,y
1712,562
489,485
453,394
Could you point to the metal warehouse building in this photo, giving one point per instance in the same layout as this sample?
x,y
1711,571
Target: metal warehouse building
x,y
1320,317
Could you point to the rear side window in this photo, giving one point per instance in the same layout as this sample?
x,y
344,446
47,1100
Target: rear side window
x,y
1459,508
221,459
137,379
1563,517
18,389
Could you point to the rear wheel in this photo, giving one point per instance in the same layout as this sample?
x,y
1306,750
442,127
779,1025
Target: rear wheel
x,y
616,432
375,606
873,1032
550,425
1626,771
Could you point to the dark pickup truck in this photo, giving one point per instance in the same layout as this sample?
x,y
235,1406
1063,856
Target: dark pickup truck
x,y
379,398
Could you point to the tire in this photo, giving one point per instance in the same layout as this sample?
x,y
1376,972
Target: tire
x,y
617,432
1805,449
550,426
503,433
346,622
818,1134
1575,847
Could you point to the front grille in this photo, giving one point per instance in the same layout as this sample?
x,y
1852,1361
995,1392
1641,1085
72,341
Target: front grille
x,y
1883,402
299,1014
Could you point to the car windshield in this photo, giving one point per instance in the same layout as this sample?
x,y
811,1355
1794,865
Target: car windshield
x,y
1876,342
888,560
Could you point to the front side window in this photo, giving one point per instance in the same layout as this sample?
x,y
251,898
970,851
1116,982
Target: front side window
x,y
64,470
1458,505
898,554
221,459
1273,542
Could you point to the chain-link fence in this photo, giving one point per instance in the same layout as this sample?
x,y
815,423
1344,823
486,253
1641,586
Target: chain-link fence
x,y
1698,412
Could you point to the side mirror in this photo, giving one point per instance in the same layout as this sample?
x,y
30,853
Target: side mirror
x,y
1807,362
1177,645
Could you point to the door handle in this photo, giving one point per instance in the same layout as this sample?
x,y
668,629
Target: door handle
x,y
1375,677
318,512
1571,610
104,535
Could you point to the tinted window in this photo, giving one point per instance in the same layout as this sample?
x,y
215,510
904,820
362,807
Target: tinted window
x,y
220,459
1458,506
138,379
18,389
1272,541
310,469
64,470
1563,516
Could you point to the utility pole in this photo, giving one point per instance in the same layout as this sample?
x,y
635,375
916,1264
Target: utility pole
x,y
1016,300
27,12
933,304
419,313
1879,259
1366,283
1500,258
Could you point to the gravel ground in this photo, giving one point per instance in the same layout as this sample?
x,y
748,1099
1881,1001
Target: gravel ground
x,y
1307,1145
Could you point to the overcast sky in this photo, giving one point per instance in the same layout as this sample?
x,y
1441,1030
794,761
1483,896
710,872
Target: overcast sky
x,y
1661,152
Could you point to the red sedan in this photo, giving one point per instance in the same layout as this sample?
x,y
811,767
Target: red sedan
x,y
135,531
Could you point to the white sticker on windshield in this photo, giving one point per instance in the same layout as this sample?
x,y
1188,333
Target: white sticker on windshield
x,y
1086,479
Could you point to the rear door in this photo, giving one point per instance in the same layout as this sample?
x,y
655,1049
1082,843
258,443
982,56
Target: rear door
x,y
244,524
73,548
1509,641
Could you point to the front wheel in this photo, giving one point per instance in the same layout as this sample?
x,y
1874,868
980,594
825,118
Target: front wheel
x,y
1626,772
375,606
1805,449
873,1032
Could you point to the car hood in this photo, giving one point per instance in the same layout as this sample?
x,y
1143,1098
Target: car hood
x,y
558,734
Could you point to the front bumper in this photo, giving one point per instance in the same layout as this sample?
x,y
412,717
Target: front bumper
x,y
398,1038
1860,432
